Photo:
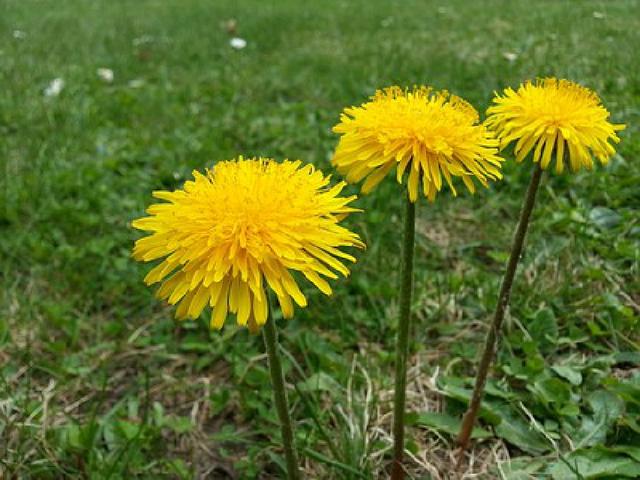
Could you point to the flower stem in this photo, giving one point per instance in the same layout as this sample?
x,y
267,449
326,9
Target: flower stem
x,y
503,301
280,396
402,346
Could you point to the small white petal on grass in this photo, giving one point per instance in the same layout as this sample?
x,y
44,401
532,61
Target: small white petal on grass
x,y
598,15
238,43
136,83
54,88
510,56
19,34
105,74
142,40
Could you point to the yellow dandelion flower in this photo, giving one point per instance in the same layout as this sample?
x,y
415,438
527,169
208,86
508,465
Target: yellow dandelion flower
x,y
428,134
550,115
242,226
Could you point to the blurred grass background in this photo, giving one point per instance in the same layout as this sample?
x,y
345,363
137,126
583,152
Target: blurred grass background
x,y
98,381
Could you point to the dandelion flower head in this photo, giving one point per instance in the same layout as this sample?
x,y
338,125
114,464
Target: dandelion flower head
x,y
424,133
552,115
243,226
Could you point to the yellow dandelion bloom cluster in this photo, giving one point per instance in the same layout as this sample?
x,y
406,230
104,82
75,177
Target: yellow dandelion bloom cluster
x,y
549,115
242,226
428,134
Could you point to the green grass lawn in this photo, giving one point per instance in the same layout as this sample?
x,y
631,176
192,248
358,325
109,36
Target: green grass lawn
x,y
98,380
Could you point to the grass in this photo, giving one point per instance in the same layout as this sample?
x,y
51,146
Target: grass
x,y
98,381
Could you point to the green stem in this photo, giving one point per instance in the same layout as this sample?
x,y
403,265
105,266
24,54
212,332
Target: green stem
x,y
280,396
503,301
402,346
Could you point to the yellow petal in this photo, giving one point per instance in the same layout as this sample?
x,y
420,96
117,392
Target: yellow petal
x,y
244,303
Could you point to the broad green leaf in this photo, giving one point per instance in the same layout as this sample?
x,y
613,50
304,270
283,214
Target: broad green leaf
x,y
552,390
499,390
446,423
73,436
516,431
178,424
606,405
509,425
128,429
519,468
597,462
571,374
632,423
630,450
604,218
179,467
627,357
544,328
627,389
319,382
607,408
